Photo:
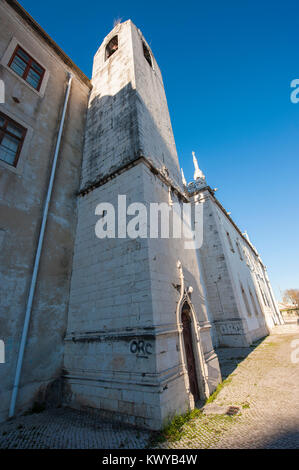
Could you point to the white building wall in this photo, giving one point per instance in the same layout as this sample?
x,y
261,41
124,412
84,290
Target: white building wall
x,y
241,311
22,195
242,278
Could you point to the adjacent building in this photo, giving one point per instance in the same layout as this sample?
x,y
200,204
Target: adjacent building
x,y
35,73
240,302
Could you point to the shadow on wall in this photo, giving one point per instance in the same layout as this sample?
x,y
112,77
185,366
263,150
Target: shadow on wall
x,y
119,129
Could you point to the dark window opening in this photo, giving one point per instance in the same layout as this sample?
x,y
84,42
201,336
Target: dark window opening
x,y
239,250
245,300
147,54
111,47
12,136
230,242
253,303
27,68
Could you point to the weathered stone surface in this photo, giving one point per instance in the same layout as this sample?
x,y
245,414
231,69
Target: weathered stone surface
x,y
23,192
128,295
240,302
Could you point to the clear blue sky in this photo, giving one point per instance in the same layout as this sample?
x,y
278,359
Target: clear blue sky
x,y
227,68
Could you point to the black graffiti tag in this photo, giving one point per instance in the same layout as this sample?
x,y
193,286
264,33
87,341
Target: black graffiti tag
x,y
140,347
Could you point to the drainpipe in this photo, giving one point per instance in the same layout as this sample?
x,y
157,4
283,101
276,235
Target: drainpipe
x,y
37,257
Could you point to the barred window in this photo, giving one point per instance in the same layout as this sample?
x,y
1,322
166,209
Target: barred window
x,y
27,68
12,136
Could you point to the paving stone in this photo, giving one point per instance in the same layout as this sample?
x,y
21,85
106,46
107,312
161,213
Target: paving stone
x,y
265,386
65,428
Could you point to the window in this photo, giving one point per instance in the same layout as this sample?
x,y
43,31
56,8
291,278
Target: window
x,y
230,242
267,299
239,250
262,293
27,68
248,258
12,136
111,47
245,300
147,54
253,303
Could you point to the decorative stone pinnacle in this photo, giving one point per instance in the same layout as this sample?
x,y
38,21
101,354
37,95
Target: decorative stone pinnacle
x,y
246,235
170,201
198,174
183,178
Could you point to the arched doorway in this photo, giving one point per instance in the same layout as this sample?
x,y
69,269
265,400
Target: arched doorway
x,y
189,352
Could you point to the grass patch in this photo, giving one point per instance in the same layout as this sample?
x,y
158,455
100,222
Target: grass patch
x,y
194,428
245,405
187,423
218,390
174,430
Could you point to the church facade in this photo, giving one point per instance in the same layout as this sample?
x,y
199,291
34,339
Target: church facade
x,y
240,301
127,326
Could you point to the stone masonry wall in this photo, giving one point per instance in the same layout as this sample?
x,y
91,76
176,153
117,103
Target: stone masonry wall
x,y
220,294
122,350
23,189
237,316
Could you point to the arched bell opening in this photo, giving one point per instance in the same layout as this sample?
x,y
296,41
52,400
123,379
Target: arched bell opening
x,y
111,47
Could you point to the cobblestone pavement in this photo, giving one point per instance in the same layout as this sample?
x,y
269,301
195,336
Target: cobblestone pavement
x,y
262,382
264,385
64,428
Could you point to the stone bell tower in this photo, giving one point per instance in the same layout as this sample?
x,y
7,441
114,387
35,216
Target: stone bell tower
x,y
138,345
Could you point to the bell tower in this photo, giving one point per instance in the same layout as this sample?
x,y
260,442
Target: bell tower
x,y
125,353
128,114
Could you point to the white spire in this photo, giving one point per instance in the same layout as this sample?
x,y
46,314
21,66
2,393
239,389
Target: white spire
x,y
170,201
183,178
246,235
198,174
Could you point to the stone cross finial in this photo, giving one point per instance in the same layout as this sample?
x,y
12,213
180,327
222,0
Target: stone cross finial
x,y
198,174
183,178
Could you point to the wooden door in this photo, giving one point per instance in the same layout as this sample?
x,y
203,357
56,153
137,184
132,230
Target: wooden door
x,y
187,335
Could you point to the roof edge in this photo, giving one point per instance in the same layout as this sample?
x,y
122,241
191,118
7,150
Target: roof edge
x,y
42,33
212,192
